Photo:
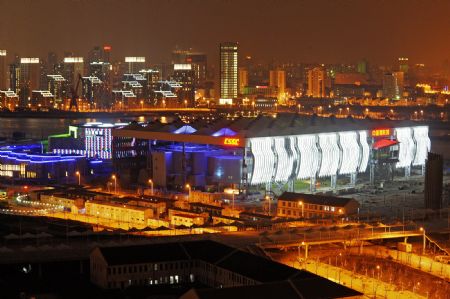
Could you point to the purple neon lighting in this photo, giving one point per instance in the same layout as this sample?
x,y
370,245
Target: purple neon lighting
x,y
186,129
224,132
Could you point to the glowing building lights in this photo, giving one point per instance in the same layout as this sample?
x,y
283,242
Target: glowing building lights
x,y
423,145
264,160
309,156
134,59
406,147
330,154
73,59
2,52
350,152
365,150
284,149
29,60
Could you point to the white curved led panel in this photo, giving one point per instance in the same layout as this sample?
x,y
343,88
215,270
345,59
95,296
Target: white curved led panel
x,y
284,151
364,161
406,147
309,156
330,154
423,144
350,152
264,160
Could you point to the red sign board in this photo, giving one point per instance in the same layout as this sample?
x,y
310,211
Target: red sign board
x,y
381,132
231,141
107,48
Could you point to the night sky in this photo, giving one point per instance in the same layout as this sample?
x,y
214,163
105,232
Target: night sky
x,y
283,30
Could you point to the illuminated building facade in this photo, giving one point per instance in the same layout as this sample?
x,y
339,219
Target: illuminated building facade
x,y
3,73
243,79
228,71
73,68
316,82
277,79
251,152
30,71
298,205
393,84
92,140
134,64
27,163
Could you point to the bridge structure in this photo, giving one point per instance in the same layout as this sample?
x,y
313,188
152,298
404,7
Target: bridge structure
x,y
346,237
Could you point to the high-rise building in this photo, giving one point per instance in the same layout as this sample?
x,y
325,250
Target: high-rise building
x,y
362,67
277,79
14,77
3,73
243,79
30,75
403,64
316,82
393,84
228,71
185,75
433,181
134,64
197,60
52,62
73,68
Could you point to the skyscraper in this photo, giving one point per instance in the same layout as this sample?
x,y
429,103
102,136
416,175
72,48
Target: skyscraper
x,y
277,79
393,84
228,71
30,73
3,74
316,83
73,67
243,79
403,64
134,64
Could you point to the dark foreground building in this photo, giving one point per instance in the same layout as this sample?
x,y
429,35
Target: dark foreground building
x,y
434,170
225,272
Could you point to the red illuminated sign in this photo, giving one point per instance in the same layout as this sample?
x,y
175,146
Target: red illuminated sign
x,y
107,48
381,132
231,141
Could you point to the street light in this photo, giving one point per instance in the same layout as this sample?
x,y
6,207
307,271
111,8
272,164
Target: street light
x,y
79,177
142,105
189,189
232,192
303,208
115,183
151,185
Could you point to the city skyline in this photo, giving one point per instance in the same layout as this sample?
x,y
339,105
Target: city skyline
x,y
302,32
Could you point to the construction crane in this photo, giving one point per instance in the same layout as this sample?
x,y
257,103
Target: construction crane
x,y
74,94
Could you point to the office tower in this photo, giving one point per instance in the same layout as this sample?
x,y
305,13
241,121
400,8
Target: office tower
x,y
316,82
30,73
152,77
243,79
185,75
197,60
14,77
228,72
134,64
3,72
362,67
393,84
433,181
73,68
52,63
403,64
277,80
